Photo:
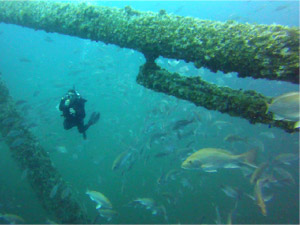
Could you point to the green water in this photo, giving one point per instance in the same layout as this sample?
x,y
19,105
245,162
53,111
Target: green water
x,y
130,116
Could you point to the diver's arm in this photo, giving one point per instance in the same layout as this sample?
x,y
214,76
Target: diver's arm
x,y
64,107
62,104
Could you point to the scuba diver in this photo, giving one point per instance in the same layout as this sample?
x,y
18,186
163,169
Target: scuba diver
x,y
72,107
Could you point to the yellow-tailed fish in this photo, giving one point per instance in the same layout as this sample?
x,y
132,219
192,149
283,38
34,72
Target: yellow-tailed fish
x,y
258,172
232,192
101,200
284,158
121,159
283,176
147,202
286,107
259,195
211,159
235,138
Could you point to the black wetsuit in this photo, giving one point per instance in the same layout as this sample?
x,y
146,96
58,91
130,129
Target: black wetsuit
x,y
73,112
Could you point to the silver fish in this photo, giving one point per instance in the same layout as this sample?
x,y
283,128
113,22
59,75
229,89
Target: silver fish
x,y
286,107
108,213
231,192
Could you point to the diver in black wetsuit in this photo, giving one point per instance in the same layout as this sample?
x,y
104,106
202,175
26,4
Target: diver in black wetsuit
x,y
72,107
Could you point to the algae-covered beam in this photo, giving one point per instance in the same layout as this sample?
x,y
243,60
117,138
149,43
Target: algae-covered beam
x,y
259,51
246,104
54,193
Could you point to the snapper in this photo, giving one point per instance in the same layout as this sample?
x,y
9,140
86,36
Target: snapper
x,y
101,200
211,159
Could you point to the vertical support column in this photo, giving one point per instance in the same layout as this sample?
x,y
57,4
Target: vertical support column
x,y
53,192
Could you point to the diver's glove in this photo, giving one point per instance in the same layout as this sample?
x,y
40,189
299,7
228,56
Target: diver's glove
x,y
72,111
94,118
67,102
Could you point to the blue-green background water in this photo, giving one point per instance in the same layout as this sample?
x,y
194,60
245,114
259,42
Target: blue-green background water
x,y
105,75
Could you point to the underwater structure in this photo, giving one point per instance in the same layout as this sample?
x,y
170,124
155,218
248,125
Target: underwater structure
x,y
252,50
257,51
246,104
55,194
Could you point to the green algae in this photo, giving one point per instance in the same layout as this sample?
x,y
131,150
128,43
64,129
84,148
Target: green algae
x,y
247,104
41,174
259,51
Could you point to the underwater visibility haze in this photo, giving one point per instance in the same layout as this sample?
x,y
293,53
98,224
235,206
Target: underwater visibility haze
x,y
151,157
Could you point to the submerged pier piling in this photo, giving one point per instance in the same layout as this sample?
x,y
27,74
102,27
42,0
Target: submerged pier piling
x,y
55,195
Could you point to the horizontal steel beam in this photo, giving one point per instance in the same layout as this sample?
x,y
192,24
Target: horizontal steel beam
x,y
251,50
245,104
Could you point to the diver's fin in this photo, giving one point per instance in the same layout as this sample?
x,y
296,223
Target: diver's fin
x,y
84,135
94,118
